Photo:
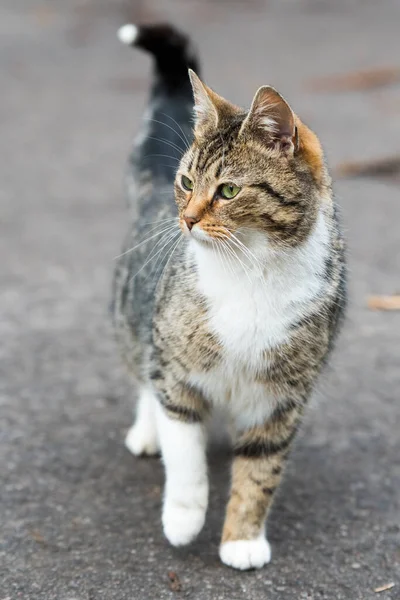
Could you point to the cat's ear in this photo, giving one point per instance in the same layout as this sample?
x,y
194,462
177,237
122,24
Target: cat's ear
x,y
272,115
209,107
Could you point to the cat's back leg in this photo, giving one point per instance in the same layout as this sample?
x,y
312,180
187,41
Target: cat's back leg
x,y
142,438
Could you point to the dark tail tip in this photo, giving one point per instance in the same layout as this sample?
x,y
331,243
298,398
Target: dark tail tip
x,y
172,50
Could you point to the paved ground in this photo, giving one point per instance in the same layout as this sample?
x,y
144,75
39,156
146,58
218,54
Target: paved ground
x,y
80,516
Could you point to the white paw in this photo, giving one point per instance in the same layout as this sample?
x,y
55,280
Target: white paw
x,y
141,440
182,523
246,554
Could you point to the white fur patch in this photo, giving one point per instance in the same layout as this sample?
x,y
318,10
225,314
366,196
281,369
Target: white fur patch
x,y
246,554
142,437
127,34
251,310
268,123
183,447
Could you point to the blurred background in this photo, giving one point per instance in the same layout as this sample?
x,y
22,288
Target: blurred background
x,y
80,516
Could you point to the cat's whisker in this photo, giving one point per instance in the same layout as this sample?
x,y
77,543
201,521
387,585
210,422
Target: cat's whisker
x,y
170,256
170,227
246,256
162,220
162,156
167,235
169,167
228,260
149,259
163,241
167,142
169,127
284,247
235,253
245,249
171,238
235,256
232,258
218,250
158,226
176,123
251,264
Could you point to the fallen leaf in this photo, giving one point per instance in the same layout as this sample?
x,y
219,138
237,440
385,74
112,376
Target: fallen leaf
x,y
358,80
174,582
384,588
37,536
380,167
384,302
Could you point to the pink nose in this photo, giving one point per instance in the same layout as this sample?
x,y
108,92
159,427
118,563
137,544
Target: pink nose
x,y
190,221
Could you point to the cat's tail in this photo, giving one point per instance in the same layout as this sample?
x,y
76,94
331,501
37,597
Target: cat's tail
x,y
172,51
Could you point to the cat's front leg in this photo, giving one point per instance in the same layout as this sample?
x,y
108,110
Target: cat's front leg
x,y
182,435
260,454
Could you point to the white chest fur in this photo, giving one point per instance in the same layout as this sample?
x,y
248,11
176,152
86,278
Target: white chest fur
x,y
250,309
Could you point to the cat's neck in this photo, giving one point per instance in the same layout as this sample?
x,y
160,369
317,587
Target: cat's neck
x,y
248,262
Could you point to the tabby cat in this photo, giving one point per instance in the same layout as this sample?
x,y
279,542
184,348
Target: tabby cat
x,y
229,291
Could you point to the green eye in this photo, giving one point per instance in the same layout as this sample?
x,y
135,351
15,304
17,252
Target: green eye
x,y
229,190
187,184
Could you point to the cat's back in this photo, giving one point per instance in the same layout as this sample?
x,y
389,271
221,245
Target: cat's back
x,y
153,232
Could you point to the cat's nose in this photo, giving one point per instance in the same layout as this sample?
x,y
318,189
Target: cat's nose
x,y
190,221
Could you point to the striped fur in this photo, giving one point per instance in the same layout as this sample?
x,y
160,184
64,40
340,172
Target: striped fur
x,y
240,310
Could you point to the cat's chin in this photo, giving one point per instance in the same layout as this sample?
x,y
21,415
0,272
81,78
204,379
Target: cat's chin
x,y
201,237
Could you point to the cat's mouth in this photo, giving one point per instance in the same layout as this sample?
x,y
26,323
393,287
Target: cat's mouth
x,y
195,232
200,233
201,236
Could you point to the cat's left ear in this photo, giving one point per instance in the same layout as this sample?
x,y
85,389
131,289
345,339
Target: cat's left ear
x,y
272,115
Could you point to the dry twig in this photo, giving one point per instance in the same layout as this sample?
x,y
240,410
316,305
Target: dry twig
x,y
37,536
381,167
384,588
174,582
384,302
358,80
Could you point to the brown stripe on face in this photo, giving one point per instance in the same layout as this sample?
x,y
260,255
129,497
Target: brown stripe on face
x,y
208,152
266,187
190,164
284,224
218,170
221,143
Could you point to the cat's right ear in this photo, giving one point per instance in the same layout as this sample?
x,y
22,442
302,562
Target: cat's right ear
x,y
271,115
209,107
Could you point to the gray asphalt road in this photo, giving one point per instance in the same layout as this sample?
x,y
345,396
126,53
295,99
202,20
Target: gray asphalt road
x,y
80,516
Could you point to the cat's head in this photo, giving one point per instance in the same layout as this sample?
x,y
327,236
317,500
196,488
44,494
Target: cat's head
x,y
259,171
